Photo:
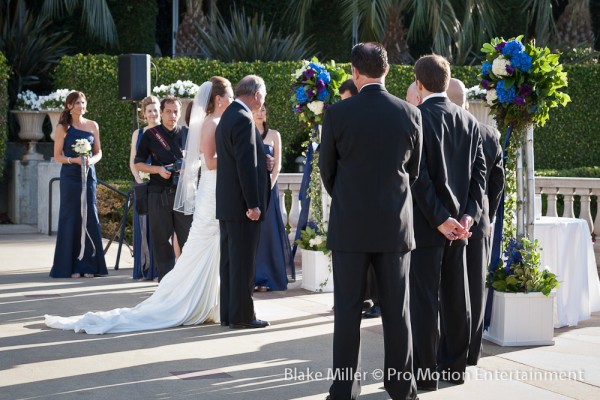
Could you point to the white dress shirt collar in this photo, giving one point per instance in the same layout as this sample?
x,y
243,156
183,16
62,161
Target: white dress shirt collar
x,y
432,95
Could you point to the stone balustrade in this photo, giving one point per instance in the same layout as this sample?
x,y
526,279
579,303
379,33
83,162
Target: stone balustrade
x,y
289,186
573,190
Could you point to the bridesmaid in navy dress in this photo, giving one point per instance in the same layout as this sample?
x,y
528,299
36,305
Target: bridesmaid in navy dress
x,y
69,259
143,261
274,254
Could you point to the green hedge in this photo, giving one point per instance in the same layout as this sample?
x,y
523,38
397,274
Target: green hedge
x,y
568,140
3,111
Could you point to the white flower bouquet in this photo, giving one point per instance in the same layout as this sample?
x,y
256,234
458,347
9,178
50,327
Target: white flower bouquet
x,y
54,101
82,147
28,101
182,89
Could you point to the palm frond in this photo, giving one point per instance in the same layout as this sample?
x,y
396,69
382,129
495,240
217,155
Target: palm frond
x,y
540,14
249,39
96,17
297,12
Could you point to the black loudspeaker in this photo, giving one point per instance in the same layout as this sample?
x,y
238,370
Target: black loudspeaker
x,y
134,76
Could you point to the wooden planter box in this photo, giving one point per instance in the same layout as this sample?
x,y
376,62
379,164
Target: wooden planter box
x,y
521,319
316,274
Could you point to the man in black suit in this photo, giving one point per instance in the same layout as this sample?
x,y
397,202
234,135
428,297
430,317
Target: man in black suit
x,y
448,197
242,192
478,249
369,157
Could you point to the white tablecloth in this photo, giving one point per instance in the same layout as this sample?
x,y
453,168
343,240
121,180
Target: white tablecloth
x,y
568,252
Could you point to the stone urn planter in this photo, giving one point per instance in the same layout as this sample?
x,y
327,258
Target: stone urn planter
x,y
481,112
521,319
54,115
30,123
317,275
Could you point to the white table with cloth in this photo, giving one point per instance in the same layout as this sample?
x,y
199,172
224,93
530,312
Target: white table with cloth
x,y
568,252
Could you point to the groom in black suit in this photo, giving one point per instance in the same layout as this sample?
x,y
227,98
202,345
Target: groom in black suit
x,y
448,197
369,157
242,192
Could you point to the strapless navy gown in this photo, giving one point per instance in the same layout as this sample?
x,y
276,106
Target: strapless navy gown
x,y
274,254
68,238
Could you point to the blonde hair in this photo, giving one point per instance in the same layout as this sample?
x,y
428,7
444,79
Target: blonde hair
x,y
146,101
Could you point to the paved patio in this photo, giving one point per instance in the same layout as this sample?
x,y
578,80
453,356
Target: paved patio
x,y
283,361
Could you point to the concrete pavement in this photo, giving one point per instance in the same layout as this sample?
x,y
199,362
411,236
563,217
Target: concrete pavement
x,y
288,360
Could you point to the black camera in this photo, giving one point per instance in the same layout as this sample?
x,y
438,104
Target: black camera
x,y
174,169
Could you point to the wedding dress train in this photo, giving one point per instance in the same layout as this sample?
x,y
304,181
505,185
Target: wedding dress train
x,y
188,295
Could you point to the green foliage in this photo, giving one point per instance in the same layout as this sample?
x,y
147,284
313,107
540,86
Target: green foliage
x,y
249,39
310,240
568,140
4,70
520,270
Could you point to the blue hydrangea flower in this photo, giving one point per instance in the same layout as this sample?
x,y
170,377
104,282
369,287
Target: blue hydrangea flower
x,y
323,95
513,48
521,61
505,96
316,67
301,95
324,76
486,68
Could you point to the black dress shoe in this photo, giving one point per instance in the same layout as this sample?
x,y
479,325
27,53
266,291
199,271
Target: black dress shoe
x,y
430,386
224,323
257,323
373,312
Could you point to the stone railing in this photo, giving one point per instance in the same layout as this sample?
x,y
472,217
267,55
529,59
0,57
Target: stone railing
x,y
583,191
289,186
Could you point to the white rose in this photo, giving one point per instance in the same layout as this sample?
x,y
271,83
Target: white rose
x,y
316,107
319,240
499,66
312,242
491,96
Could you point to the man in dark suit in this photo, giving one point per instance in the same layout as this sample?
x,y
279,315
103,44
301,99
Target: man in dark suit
x,y
448,197
478,249
242,192
369,157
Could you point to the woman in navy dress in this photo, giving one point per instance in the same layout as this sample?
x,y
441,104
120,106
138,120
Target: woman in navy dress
x,y
71,259
143,262
274,254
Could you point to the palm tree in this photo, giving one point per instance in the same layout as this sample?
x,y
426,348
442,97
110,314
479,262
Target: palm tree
x,y
96,17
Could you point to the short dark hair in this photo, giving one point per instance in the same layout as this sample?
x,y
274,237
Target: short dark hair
x,y
348,85
433,71
370,59
169,99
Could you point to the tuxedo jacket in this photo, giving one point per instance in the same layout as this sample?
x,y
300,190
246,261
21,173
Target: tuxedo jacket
x,y
369,157
494,178
451,179
242,178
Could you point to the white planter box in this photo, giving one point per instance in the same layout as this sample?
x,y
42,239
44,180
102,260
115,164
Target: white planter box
x,y
316,271
521,319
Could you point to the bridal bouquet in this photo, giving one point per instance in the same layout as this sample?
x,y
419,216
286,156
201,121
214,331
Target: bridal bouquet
x,y
522,82
520,270
55,101
314,88
182,89
82,147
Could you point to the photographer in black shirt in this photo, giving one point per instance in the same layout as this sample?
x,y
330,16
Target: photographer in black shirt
x,y
164,144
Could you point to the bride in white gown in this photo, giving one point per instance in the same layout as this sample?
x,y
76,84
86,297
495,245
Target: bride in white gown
x,y
189,294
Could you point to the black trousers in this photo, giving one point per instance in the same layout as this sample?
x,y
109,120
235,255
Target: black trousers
x,y
349,277
371,291
440,312
478,253
239,241
163,221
